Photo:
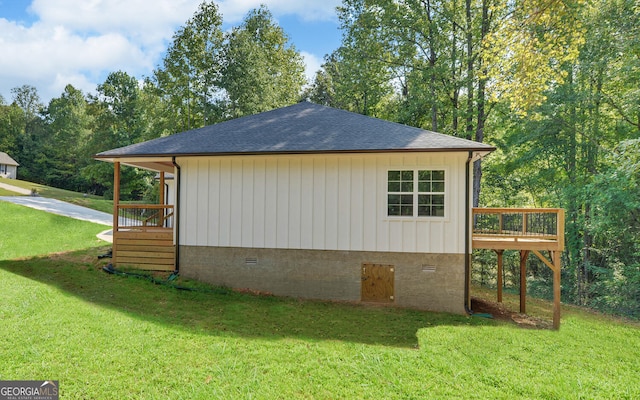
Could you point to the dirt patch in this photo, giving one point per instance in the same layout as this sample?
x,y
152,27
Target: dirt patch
x,y
499,312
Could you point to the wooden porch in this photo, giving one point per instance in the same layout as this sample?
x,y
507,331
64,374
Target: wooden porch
x,y
529,230
143,234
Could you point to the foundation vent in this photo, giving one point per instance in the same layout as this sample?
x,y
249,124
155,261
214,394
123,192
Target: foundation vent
x,y
428,268
251,261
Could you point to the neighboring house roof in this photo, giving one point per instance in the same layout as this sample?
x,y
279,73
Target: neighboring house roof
x,y
6,160
301,128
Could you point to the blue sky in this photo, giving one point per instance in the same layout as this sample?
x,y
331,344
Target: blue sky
x,y
51,43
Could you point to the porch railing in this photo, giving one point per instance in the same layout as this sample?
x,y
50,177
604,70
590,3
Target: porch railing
x,y
145,216
544,225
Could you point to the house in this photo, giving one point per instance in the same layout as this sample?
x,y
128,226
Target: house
x,y
308,201
8,166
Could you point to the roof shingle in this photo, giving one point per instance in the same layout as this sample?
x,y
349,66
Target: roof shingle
x,y
301,128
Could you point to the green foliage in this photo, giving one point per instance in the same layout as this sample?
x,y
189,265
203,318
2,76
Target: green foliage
x,y
616,229
260,71
188,78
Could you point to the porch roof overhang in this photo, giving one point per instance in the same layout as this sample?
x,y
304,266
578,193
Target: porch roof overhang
x,y
155,164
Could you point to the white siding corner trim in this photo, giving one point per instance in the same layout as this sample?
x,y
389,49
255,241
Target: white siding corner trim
x,y
315,202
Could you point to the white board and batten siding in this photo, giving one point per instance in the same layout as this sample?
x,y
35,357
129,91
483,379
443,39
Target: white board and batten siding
x,y
318,202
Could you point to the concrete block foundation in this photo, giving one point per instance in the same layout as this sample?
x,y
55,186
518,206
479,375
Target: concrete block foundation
x,y
421,280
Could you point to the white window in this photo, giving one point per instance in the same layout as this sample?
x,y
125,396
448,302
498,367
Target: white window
x,y
415,193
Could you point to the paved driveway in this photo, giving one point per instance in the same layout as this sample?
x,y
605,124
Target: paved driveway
x,y
62,208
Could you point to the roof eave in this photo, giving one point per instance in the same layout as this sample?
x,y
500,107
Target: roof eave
x,y
480,149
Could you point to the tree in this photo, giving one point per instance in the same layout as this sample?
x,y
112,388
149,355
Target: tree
x,y
188,80
260,70
69,124
530,46
31,132
118,122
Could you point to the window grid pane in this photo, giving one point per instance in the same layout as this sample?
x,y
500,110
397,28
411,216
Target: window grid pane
x,y
429,195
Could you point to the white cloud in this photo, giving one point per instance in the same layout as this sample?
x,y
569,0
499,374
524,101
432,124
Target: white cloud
x,y
313,64
79,42
309,10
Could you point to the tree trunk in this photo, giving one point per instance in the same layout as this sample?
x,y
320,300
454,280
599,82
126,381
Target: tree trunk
x,y
470,74
480,101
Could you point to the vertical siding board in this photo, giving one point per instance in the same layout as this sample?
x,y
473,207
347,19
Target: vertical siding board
x,y
271,203
235,227
395,235
282,199
424,238
307,203
409,236
259,199
318,212
331,208
202,201
344,203
458,201
370,204
247,217
295,192
214,202
192,202
381,212
357,198
224,221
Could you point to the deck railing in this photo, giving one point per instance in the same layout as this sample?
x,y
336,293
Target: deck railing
x,y
144,216
542,225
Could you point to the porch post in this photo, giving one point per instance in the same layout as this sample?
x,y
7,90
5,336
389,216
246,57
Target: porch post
x,y
161,189
116,203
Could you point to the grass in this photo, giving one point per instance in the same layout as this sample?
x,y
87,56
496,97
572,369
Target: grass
x,y
106,336
4,192
89,201
26,232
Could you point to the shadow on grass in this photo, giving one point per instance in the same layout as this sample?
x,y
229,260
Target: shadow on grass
x,y
228,313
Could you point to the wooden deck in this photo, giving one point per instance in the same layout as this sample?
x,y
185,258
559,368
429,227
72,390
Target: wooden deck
x,y
539,229
529,230
144,237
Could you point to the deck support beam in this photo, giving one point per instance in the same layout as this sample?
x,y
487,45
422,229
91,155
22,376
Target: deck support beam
x,y
555,265
523,280
500,283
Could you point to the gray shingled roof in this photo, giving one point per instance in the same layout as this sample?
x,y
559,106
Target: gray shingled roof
x,y
301,128
6,160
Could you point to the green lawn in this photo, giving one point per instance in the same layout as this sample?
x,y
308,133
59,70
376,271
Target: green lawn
x,y
26,232
4,192
104,336
90,201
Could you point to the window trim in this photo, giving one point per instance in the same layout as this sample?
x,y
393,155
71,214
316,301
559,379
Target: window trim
x,y
415,193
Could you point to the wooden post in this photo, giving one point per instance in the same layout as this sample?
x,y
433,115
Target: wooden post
x,y
556,289
500,283
161,188
116,203
523,280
